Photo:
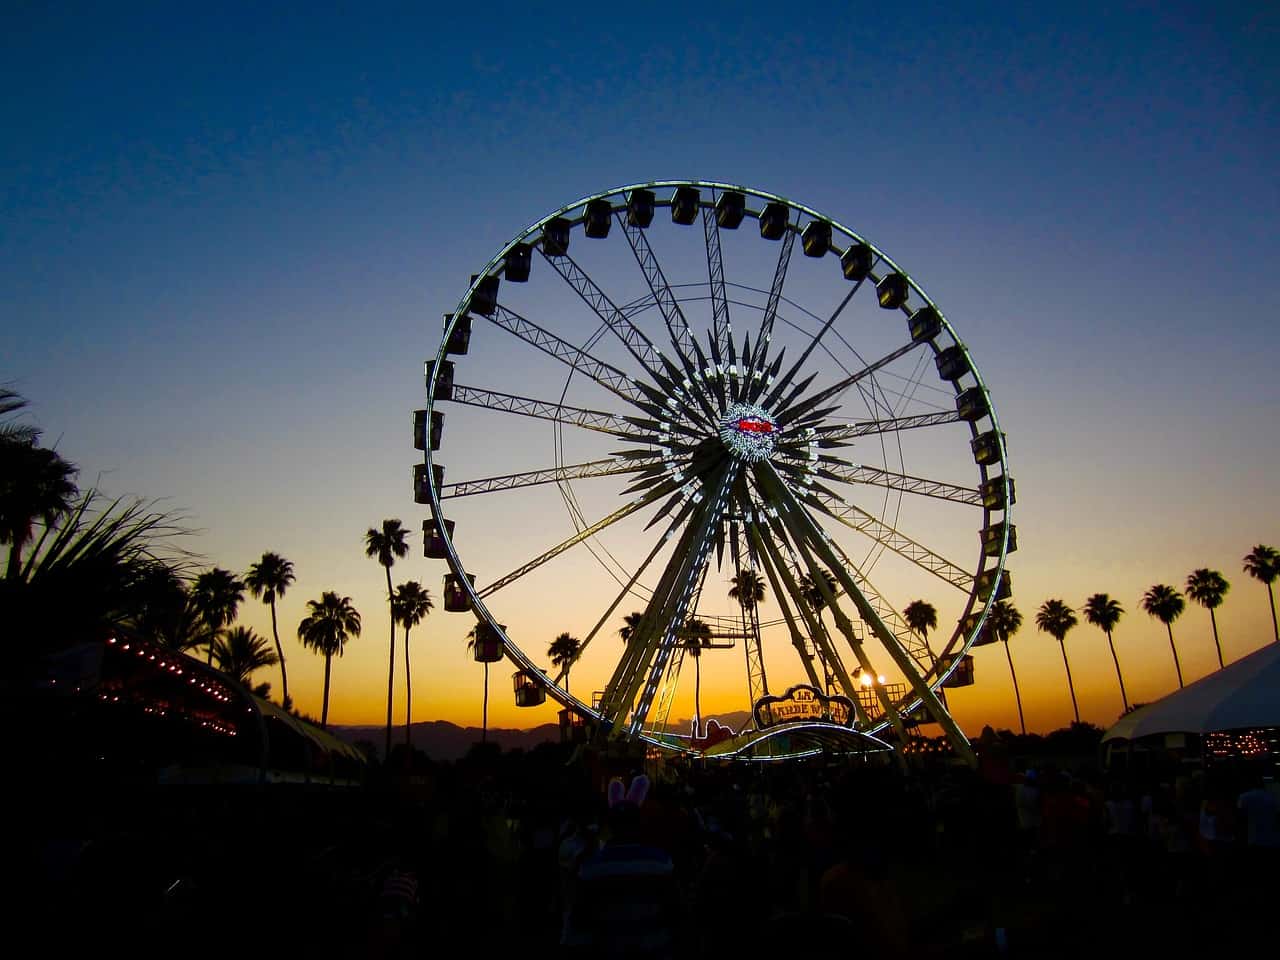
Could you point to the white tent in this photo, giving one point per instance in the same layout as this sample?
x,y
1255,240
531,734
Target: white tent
x,y
1242,694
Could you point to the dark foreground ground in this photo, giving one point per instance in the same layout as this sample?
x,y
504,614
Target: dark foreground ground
x,y
827,856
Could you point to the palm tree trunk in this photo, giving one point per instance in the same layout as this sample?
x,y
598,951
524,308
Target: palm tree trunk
x,y
1070,685
15,559
284,677
408,691
484,722
1176,665
1214,620
1016,694
324,709
1274,626
391,662
1123,696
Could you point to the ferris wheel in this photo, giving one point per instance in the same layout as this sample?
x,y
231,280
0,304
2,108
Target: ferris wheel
x,y
696,418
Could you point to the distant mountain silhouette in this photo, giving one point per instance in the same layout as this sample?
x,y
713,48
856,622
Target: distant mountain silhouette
x,y
444,741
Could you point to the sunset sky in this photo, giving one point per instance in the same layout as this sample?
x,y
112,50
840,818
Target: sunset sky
x,y
227,239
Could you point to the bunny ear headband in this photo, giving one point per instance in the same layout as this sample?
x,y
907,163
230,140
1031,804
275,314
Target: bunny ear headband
x,y
633,796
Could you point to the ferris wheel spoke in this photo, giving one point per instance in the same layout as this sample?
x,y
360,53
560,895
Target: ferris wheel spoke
x,y
626,591
532,478
677,325
802,529
858,519
789,415
608,376
767,545
722,329
855,473
765,335
597,420
830,436
635,680
632,337
780,593
620,514
887,612
782,384
810,536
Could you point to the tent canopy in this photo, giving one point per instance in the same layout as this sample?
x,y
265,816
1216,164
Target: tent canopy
x,y
1243,694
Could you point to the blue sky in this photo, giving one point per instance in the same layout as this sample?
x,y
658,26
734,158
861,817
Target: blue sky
x,y
226,239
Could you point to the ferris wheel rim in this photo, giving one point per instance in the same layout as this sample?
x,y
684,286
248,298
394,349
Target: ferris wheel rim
x,y
965,635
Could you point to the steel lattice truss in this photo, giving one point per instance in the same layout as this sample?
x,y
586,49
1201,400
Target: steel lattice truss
x,y
724,457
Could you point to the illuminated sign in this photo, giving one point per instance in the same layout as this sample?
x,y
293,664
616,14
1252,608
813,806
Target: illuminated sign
x,y
748,432
803,702
755,425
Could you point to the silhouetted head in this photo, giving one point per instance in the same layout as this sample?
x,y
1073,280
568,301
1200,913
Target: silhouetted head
x,y
624,808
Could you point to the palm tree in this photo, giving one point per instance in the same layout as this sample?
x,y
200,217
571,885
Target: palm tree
x,y
1004,620
921,617
563,652
812,593
240,651
385,546
630,622
1263,564
268,579
94,575
164,613
696,635
217,594
472,640
36,484
1207,588
748,590
1055,618
1104,613
412,602
329,624
1166,605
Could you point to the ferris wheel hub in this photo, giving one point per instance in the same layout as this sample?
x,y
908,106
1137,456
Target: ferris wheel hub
x,y
748,432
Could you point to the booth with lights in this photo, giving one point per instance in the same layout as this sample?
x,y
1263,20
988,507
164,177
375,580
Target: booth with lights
x,y
143,713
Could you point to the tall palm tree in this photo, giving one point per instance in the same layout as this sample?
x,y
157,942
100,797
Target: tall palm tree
x,y
1004,621
240,651
329,624
36,485
748,589
921,617
696,635
1263,564
1104,613
386,545
268,579
563,652
217,594
1056,618
629,624
1207,588
1166,605
472,640
411,603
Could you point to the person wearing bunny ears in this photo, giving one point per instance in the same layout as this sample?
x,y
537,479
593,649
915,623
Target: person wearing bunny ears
x,y
626,903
